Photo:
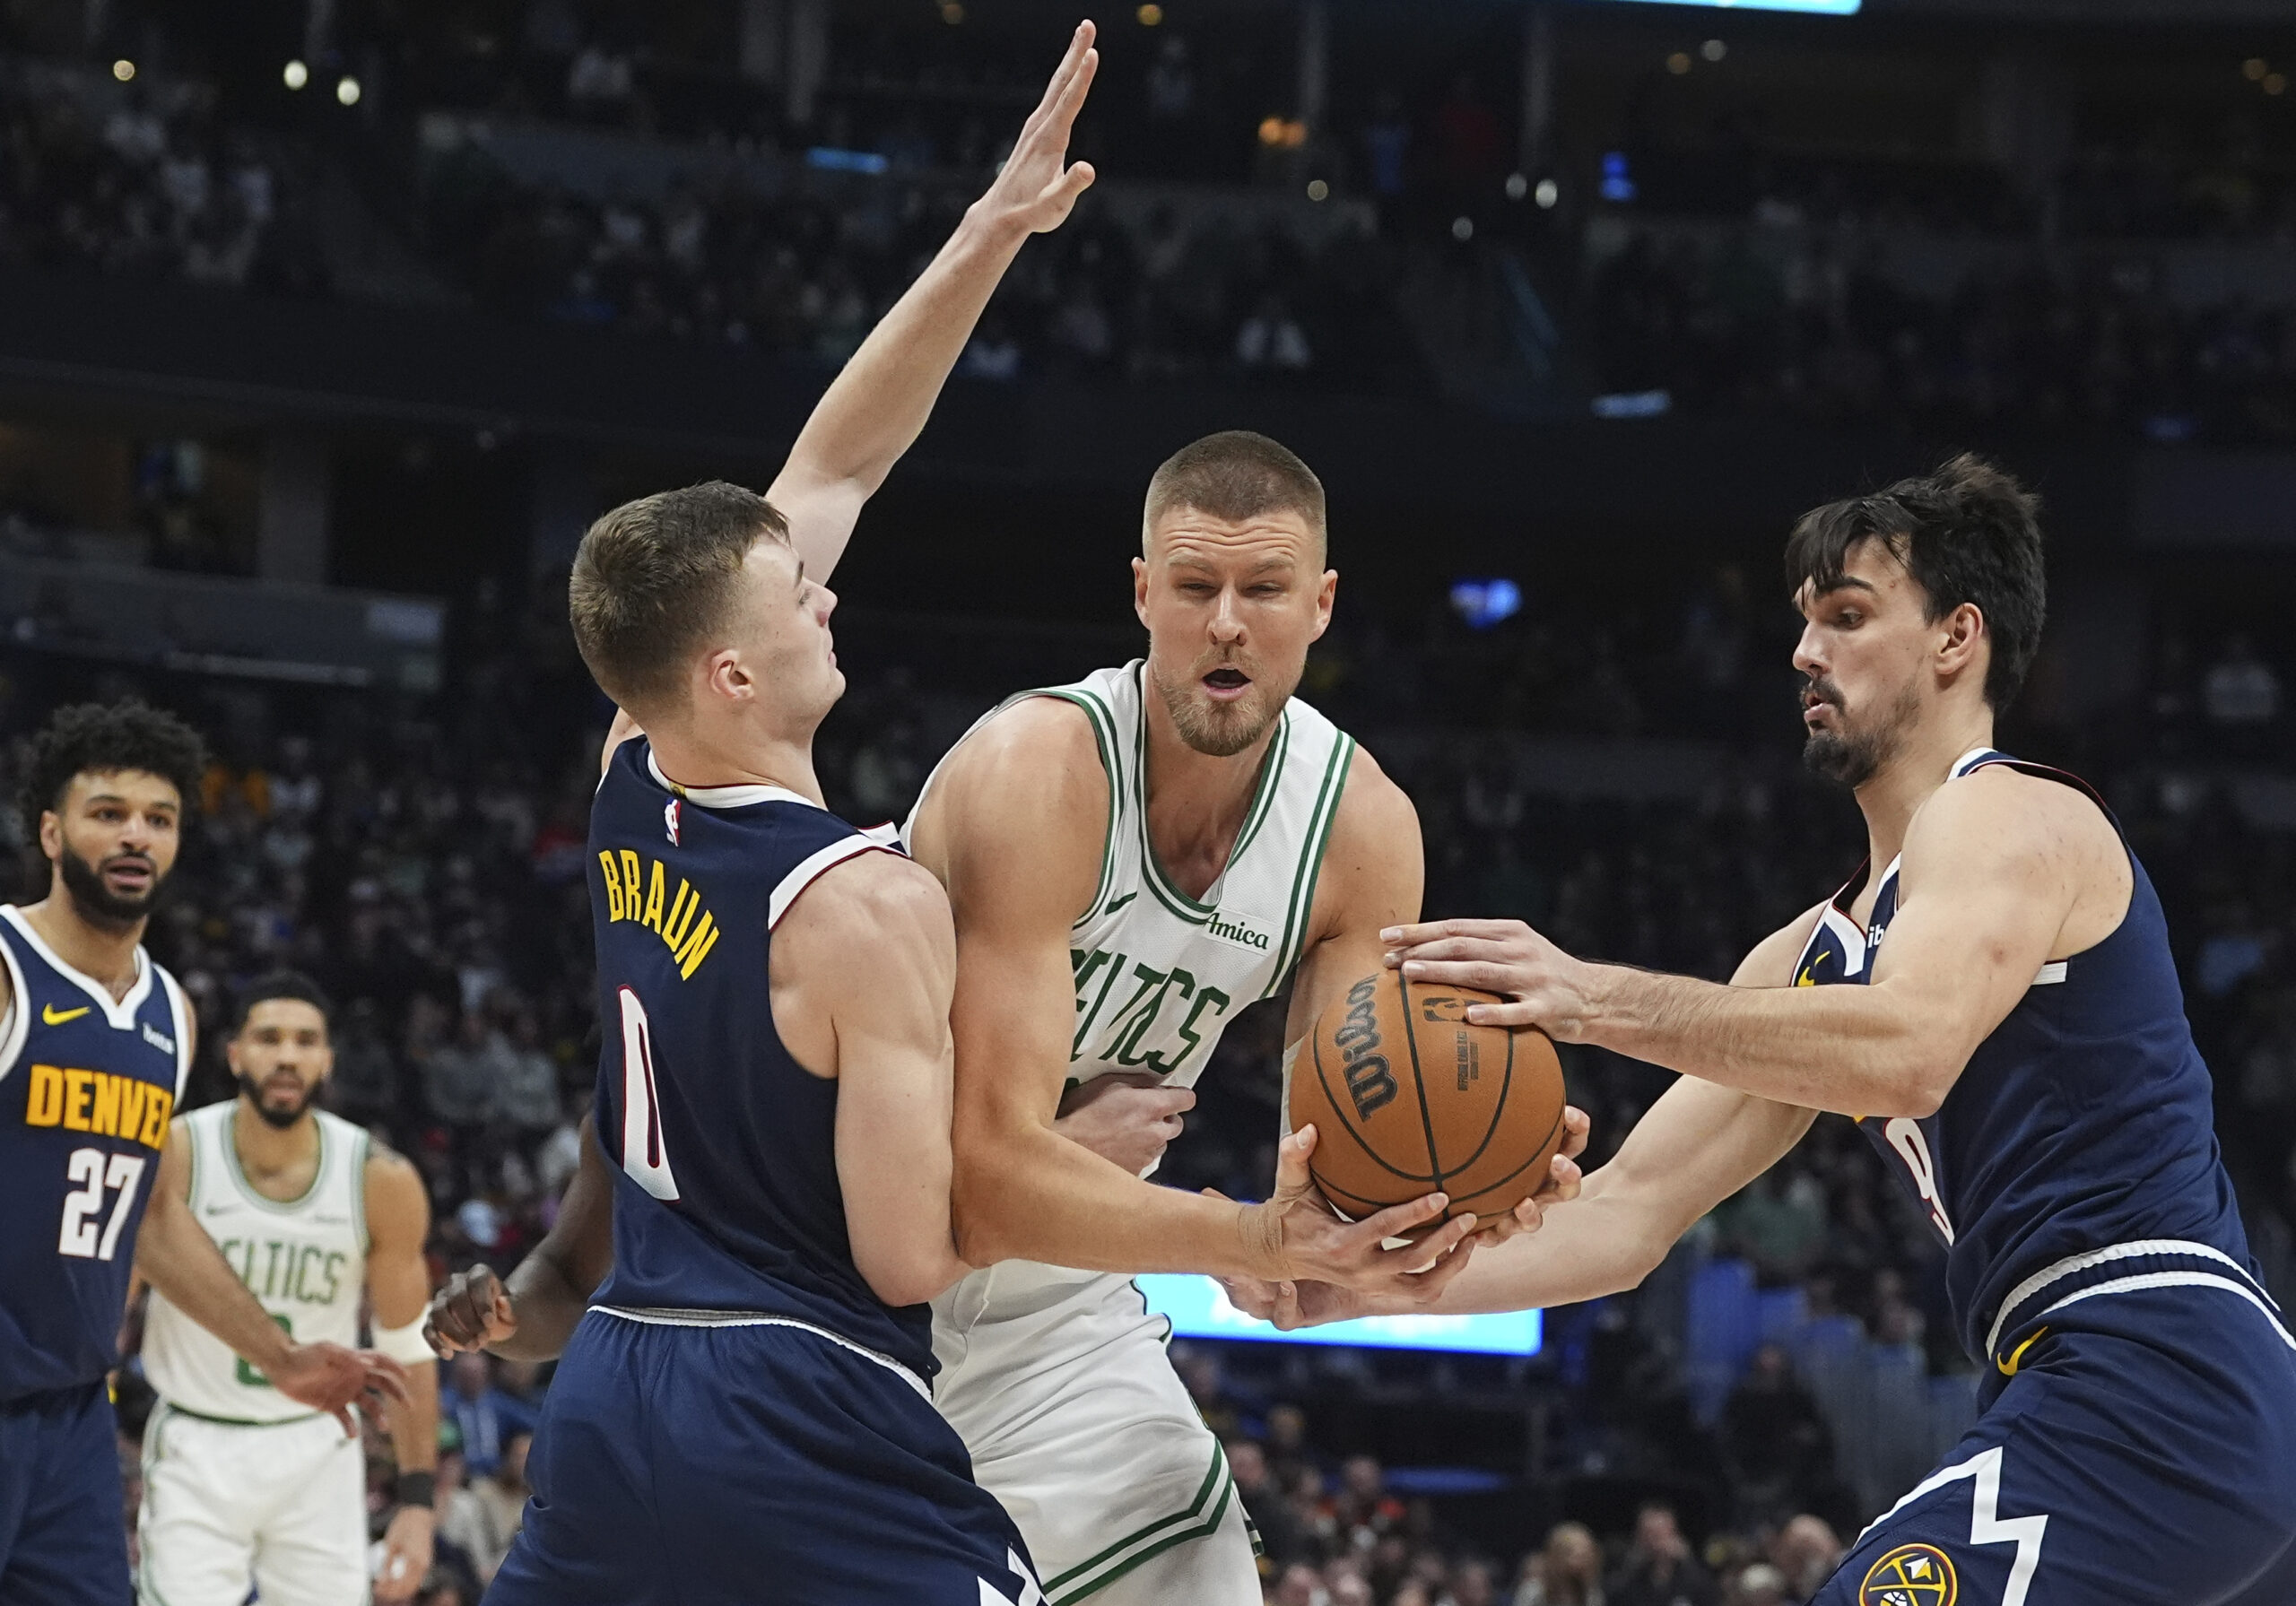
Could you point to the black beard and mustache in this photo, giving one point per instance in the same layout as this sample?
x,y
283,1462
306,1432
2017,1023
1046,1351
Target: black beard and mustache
x,y
1853,757
98,904
281,1119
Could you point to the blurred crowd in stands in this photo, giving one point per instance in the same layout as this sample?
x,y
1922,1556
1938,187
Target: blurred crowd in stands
x,y
95,178
426,862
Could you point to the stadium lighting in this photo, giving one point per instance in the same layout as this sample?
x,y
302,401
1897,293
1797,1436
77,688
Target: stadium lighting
x,y
1150,14
1830,8
2275,83
2255,68
346,91
295,75
123,69
1318,190
1547,194
1518,186
951,13
1463,228
1678,63
1714,49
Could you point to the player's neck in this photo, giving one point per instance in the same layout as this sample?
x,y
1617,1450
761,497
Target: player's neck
x,y
103,953
699,760
1196,802
1897,792
276,1160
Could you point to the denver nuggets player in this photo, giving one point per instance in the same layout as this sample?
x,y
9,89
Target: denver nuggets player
x,y
1131,860
2012,1036
745,1406
95,1042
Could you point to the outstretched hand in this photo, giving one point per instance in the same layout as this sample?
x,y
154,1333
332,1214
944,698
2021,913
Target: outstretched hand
x,y
1037,186
1561,1187
1547,987
1298,1236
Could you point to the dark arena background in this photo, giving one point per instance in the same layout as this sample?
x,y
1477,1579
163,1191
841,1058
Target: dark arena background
x,y
327,326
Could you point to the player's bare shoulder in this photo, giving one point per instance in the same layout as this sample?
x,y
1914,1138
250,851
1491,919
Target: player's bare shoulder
x,y
2004,825
1028,787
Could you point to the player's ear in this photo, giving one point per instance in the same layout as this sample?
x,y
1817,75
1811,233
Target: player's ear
x,y
1140,589
1326,593
1960,634
51,834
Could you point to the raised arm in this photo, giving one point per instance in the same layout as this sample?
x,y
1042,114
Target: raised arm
x,y
1014,825
874,409
532,1316
2001,873
398,1288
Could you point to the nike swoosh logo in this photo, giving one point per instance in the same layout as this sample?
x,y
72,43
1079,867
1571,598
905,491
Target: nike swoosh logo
x,y
1114,905
51,1016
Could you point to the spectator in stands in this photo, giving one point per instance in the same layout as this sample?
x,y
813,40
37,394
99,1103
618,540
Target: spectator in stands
x,y
484,1414
1779,1446
1805,1552
1473,1584
2242,691
485,1515
1362,1512
1567,1571
1284,1538
459,1077
526,1095
1658,1569
1760,1584
364,1084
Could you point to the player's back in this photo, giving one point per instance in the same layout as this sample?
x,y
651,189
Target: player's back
x,y
726,1199
88,1084
2077,1149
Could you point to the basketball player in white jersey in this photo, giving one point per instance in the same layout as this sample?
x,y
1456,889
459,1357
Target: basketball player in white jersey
x,y
245,1489
1131,860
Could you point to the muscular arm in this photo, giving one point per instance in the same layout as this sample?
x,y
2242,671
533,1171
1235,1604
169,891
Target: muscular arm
x,y
1014,826
882,1029
1373,874
2001,873
879,401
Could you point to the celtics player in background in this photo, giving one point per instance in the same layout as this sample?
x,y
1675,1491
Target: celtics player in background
x,y
95,1042
1132,860
245,1488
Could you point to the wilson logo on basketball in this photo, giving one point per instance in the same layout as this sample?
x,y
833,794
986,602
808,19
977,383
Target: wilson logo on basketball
x,y
1371,1082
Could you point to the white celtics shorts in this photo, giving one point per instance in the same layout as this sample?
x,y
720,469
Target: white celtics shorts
x,y
280,1508
1058,1382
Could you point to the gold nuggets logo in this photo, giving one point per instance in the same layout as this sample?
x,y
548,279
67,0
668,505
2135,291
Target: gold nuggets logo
x,y
1911,1576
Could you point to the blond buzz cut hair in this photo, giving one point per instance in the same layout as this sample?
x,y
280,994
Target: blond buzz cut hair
x,y
652,582
1235,476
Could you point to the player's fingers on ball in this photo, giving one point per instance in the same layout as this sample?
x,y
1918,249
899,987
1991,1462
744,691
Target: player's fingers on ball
x,y
1398,1219
1567,1180
1429,1285
1575,1127
1513,1017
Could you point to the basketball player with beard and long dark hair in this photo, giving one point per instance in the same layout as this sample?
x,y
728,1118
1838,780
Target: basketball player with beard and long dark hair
x,y
95,1042
1994,1001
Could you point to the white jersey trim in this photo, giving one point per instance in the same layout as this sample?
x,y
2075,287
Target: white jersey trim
x,y
750,1318
814,867
119,1012
2072,1265
17,1025
725,797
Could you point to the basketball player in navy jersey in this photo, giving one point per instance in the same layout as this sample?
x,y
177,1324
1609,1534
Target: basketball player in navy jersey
x,y
1993,1001
95,1042
743,1413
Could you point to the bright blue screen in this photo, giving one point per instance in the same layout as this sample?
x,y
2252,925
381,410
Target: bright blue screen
x,y
1835,8
1198,1308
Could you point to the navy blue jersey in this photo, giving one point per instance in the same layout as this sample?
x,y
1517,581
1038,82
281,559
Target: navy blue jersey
x,y
2077,1152
87,1087
726,1198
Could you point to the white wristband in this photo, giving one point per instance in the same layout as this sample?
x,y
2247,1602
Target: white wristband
x,y
406,1345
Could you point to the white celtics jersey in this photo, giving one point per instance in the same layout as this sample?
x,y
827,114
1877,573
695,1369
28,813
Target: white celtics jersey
x,y
305,1259
1159,974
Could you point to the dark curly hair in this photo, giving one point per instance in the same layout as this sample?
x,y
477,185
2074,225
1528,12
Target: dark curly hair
x,y
87,738
1967,533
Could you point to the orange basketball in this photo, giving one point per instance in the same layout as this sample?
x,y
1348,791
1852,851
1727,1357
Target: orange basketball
x,y
1407,1098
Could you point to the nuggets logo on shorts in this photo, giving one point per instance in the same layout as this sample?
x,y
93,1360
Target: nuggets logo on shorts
x,y
1910,1575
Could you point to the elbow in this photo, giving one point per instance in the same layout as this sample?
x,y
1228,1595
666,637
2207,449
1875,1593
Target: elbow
x,y
979,1238
1921,1088
912,1285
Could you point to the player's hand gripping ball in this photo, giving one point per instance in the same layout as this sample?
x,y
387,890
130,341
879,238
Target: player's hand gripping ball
x,y
1409,1097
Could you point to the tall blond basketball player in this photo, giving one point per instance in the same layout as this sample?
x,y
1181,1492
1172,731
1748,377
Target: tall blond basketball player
x,y
1132,859
245,1489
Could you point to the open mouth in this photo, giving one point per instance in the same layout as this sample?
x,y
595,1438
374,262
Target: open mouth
x,y
1226,685
128,875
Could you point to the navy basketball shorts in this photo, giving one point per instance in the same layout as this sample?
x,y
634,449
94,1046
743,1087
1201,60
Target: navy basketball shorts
x,y
750,1464
63,1534
2141,1453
